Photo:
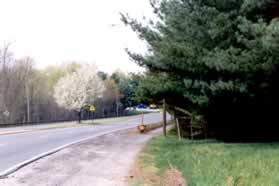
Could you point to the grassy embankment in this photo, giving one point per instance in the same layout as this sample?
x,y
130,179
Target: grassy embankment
x,y
210,163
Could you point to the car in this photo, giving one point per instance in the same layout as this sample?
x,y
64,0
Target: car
x,y
130,108
142,106
153,106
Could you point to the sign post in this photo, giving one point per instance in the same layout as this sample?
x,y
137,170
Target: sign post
x,y
164,118
92,108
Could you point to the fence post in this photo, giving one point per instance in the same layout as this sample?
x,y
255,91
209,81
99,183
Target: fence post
x,y
178,128
164,118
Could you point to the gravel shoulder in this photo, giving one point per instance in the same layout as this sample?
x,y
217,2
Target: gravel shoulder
x,y
103,161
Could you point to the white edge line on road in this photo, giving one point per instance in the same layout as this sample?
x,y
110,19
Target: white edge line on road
x,y
14,168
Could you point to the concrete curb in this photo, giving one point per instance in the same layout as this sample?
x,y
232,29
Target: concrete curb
x,y
14,132
13,169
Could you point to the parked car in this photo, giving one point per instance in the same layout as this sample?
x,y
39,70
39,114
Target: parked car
x,y
142,106
153,106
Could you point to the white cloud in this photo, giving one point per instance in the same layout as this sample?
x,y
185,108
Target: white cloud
x,y
56,31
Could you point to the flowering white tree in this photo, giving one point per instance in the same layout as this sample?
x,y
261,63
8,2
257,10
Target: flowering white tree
x,y
79,89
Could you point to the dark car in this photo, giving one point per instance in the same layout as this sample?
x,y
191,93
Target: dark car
x,y
142,106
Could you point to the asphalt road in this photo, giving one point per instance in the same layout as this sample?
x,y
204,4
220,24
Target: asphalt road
x,y
16,148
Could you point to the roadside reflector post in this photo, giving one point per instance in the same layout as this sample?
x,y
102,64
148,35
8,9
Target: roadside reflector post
x,y
142,119
92,109
142,127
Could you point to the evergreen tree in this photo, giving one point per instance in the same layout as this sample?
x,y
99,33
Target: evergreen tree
x,y
216,58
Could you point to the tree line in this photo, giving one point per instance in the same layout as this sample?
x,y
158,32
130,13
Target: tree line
x,y
215,62
27,94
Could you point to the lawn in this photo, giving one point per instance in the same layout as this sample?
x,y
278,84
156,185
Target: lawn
x,y
212,163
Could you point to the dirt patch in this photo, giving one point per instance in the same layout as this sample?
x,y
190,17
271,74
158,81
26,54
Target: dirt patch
x,y
144,173
173,177
147,175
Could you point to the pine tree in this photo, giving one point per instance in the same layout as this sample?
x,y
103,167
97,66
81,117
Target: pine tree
x,y
217,58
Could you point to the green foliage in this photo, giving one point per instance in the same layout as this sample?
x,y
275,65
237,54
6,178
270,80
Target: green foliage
x,y
102,75
54,73
126,85
211,54
210,163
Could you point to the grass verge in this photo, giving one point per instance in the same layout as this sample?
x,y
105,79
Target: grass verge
x,y
87,123
69,125
209,163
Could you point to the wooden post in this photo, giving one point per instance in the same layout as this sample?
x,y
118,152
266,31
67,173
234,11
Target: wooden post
x,y
164,118
191,127
177,127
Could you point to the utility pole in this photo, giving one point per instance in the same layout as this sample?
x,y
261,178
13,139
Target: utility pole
x,y
164,118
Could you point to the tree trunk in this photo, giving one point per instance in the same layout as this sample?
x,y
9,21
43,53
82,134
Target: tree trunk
x,y
117,105
28,103
79,117
191,127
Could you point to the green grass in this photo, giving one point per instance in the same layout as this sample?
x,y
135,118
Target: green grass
x,y
86,123
94,122
212,163
64,125
112,120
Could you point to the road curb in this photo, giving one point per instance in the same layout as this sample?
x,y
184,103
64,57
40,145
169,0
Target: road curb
x,y
13,132
15,168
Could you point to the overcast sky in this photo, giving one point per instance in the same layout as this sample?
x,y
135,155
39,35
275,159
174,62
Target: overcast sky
x,y
57,31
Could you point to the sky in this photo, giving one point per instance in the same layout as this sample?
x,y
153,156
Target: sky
x,y
59,31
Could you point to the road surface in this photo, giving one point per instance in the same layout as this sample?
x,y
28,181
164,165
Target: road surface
x,y
108,160
16,148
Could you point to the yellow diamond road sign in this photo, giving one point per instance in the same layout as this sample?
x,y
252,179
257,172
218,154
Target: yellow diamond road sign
x,y
92,108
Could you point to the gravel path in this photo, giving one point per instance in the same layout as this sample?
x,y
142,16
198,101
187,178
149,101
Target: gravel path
x,y
104,161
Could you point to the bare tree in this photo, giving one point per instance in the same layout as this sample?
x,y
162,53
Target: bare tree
x,y
5,61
